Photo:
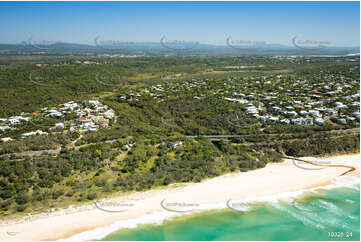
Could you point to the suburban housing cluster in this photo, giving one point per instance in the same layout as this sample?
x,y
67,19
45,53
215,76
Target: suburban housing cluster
x,y
71,116
287,99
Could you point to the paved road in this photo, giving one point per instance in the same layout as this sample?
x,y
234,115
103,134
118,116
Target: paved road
x,y
354,130
57,151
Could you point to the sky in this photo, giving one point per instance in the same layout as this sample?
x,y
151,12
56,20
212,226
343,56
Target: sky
x,y
206,22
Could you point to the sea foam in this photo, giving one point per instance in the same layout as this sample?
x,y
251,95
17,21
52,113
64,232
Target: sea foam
x,y
160,217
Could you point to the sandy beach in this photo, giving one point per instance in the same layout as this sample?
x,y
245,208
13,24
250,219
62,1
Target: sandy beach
x,y
274,179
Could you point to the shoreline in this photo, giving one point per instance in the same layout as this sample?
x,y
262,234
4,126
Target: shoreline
x,y
275,180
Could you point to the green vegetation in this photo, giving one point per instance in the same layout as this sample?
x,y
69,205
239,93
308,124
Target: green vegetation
x,y
165,109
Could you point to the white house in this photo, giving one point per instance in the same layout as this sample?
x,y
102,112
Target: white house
x,y
303,113
292,113
6,139
276,109
319,121
314,113
285,121
89,126
273,119
263,119
3,128
59,126
13,121
55,114
37,132
251,110
109,114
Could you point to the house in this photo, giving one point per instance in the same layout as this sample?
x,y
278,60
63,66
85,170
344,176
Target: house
x,y
308,121
239,94
356,115
341,120
276,109
291,113
331,93
55,114
303,113
84,120
342,106
4,128
6,139
250,96
263,119
319,121
273,119
103,124
94,102
89,126
351,119
285,121
12,121
238,101
302,121
314,113
329,111
174,144
58,126
69,105
109,114
251,110
355,104
298,106
37,132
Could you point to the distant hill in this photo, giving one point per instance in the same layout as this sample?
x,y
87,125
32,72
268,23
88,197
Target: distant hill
x,y
167,48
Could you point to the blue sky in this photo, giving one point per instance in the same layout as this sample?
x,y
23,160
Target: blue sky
x,y
206,22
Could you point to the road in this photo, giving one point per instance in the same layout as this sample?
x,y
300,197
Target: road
x,y
344,131
57,151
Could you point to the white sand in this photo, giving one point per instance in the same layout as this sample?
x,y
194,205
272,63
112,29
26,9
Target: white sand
x,y
272,180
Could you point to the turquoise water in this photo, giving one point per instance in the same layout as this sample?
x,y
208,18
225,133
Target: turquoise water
x,y
309,217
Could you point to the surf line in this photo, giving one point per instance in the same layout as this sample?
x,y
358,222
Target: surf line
x,y
351,168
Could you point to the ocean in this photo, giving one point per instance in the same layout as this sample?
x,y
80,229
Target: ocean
x,y
322,214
